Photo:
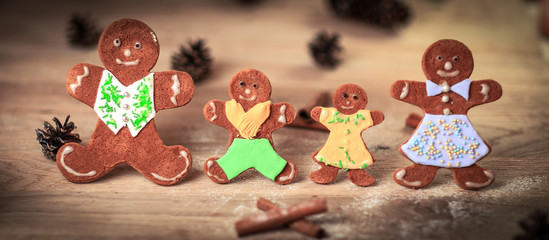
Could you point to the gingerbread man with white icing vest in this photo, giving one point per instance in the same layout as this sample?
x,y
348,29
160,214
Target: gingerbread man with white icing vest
x,y
345,148
445,137
126,96
250,117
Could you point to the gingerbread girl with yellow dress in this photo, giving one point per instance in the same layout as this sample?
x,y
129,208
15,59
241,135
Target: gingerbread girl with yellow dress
x,y
345,148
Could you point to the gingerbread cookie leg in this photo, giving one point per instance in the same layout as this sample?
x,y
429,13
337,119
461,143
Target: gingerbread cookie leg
x,y
415,176
288,174
214,171
325,174
360,177
163,165
473,177
77,164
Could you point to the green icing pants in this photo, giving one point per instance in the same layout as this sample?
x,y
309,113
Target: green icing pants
x,y
248,153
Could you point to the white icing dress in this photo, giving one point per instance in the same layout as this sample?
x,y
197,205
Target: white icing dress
x,y
448,141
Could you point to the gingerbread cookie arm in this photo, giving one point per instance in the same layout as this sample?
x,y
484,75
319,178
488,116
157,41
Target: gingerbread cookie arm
x,y
172,89
315,113
214,112
377,117
82,82
281,115
484,91
412,92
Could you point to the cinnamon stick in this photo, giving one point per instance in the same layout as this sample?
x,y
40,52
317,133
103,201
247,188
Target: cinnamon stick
x,y
303,226
277,217
413,120
321,99
304,120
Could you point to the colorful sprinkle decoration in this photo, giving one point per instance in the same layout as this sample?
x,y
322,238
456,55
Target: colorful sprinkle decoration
x,y
445,141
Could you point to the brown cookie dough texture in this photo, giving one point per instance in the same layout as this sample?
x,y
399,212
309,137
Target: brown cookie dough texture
x,y
128,49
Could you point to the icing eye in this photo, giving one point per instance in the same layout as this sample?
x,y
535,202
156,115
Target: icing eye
x,y
355,97
440,58
242,83
254,85
137,45
117,42
455,59
345,95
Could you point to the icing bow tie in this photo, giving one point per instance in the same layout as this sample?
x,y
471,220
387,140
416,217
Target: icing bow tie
x,y
461,88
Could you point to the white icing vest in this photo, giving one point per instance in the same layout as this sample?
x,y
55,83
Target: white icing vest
x,y
119,106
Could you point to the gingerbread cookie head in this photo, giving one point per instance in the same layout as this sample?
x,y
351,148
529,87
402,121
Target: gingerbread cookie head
x,y
128,47
250,87
447,60
350,98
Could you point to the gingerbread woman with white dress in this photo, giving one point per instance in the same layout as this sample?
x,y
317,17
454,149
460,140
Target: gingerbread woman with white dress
x,y
126,96
445,137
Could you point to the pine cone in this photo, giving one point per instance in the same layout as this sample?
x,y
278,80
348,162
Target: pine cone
x,y
325,49
535,227
195,60
384,13
51,139
248,2
82,31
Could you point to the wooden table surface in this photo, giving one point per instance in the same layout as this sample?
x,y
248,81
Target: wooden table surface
x,y
36,201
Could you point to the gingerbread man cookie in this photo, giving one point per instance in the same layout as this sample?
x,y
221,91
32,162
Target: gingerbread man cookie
x,y
445,137
345,148
250,118
126,96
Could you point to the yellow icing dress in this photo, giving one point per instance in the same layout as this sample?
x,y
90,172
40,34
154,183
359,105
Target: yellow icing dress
x,y
345,147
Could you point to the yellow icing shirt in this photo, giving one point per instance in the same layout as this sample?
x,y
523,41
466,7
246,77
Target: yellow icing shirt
x,y
247,123
345,147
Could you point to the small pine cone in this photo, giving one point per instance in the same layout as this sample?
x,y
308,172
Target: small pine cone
x,y
194,60
82,31
248,2
51,139
325,49
387,14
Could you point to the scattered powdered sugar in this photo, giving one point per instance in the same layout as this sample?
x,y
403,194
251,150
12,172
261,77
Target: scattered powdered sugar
x,y
384,209
398,212
241,211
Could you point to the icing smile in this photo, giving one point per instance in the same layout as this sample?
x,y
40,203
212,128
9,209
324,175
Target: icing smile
x,y
347,107
247,99
447,74
129,63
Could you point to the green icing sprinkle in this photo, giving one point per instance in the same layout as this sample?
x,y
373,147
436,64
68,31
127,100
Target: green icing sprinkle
x,y
340,164
364,166
337,119
107,108
110,92
143,105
